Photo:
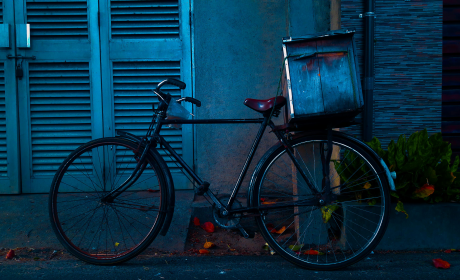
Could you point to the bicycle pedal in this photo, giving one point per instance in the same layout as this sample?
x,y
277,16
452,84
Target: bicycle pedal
x,y
244,233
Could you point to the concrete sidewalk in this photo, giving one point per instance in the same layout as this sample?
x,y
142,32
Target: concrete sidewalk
x,y
24,222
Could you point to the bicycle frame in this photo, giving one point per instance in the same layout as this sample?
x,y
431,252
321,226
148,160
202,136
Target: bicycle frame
x,y
225,209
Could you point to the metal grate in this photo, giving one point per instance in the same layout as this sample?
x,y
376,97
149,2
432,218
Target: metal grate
x,y
60,114
3,158
137,19
133,98
58,20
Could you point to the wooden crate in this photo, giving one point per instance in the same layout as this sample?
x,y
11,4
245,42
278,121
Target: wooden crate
x,y
322,77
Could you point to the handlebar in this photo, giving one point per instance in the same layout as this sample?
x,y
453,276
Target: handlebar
x,y
179,84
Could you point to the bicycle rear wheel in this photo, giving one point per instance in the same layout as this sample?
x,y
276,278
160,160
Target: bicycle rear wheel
x,y
101,232
334,235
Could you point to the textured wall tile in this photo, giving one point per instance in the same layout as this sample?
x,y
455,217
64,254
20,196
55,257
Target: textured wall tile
x,y
408,65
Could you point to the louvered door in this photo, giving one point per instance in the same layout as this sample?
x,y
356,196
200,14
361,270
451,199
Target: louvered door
x,y
9,145
143,43
60,93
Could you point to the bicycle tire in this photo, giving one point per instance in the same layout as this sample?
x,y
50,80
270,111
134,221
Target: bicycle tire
x,y
123,228
334,235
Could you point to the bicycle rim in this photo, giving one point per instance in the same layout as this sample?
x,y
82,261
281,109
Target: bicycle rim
x,y
106,232
334,235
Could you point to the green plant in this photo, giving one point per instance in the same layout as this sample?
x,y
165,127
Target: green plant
x,y
421,162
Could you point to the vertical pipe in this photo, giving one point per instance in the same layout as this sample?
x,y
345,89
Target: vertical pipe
x,y
368,83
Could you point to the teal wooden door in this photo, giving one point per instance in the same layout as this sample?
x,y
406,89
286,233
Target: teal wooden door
x,y
143,43
60,94
9,145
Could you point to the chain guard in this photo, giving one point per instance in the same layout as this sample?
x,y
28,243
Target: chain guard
x,y
230,222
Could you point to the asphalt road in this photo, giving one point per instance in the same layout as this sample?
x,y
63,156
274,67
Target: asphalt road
x,y
377,266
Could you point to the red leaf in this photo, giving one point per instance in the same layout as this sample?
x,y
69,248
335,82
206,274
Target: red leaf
x,y
203,251
262,199
196,221
270,226
208,227
425,191
10,254
438,263
448,251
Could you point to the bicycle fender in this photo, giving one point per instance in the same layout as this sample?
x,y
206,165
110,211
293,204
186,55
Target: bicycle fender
x,y
170,193
376,157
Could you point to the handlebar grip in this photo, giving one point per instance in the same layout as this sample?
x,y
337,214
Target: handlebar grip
x,y
193,101
173,82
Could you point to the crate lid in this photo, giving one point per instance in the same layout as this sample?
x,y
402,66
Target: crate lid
x,y
318,35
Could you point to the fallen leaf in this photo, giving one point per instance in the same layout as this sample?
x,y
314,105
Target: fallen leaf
x,y
203,251
150,190
327,212
208,245
295,248
116,244
208,227
196,221
262,199
400,208
280,231
438,263
312,252
367,185
270,227
10,254
448,251
268,202
425,191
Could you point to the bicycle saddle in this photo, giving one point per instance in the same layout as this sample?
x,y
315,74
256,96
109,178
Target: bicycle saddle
x,y
262,106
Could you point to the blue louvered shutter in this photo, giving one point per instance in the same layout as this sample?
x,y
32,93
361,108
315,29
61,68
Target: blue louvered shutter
x,y
143,43
3,146
60,91
9,145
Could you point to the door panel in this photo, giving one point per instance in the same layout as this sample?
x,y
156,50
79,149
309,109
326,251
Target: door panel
x,y
9,145
60,93
143,43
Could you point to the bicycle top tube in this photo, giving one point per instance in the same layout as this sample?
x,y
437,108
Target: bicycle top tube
x,y
212,121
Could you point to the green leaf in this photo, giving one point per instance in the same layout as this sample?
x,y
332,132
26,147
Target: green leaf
x,y
400,154
394,194
372,202
391,153
412,145
296,248
455,164
327,212
400,208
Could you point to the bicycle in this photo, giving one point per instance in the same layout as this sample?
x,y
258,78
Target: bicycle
x,y
319,197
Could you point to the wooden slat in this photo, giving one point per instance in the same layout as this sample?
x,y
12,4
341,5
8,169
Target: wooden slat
x,y
451,95
449,127
451,14
451,79
451,47
454,140
451,2
450,111
64,119
450,63
451,30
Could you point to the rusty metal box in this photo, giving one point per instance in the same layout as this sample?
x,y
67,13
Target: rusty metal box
x,y
322,77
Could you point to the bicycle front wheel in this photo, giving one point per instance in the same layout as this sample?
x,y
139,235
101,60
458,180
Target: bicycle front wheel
x,y
333,235
98,231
